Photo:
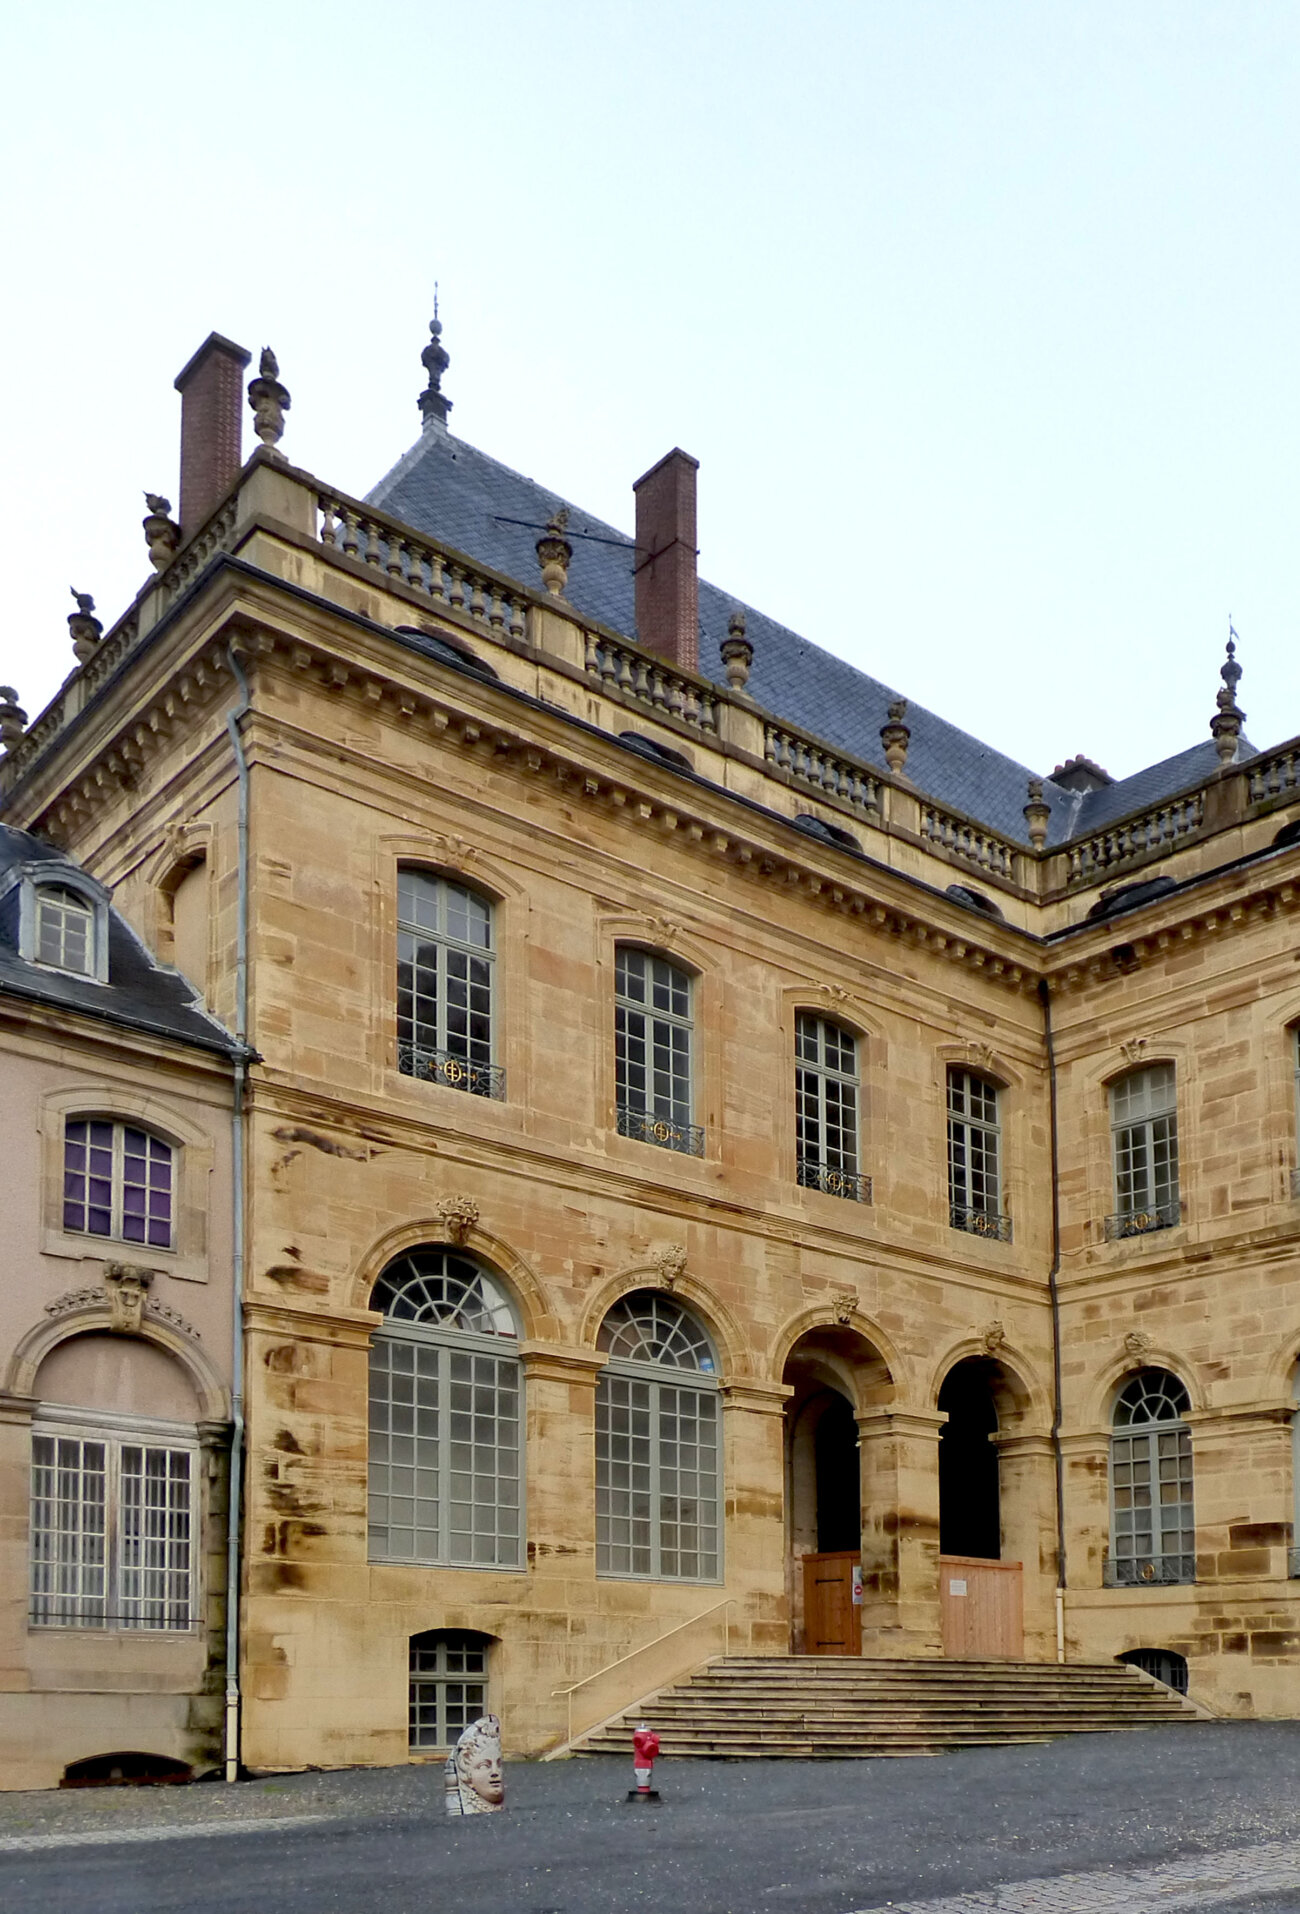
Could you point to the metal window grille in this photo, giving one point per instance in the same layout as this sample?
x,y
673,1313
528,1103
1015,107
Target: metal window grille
x,y
826,1108
658,1462
1153,1527
652,1051
445,962
974,1153
448,1687
112,1533
117,1181
1144,1126
445,1417
65,931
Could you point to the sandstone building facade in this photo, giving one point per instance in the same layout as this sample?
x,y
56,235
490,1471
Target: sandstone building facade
x,y
115,1340
729,1159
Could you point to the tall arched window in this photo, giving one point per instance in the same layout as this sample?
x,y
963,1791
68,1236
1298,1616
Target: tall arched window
x,y
653,1031
975,1155
445,1415
1144,1129
658,1444
445,961
1153,1529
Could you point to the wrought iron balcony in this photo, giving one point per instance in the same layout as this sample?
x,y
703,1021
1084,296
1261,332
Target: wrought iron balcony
x,y
980,1222
1141,1222
457,1072
1149,1571
665,1132
819,1176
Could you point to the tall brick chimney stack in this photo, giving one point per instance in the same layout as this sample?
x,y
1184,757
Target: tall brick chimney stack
x,y
212,398
667,583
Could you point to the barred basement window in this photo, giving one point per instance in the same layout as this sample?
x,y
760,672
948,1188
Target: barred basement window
x,y
448,1686
445,962
652,1051
111,1525
658,1445
826,1108
1153,1529
1144,1127
117,1181
974,1156
65,931
445,1416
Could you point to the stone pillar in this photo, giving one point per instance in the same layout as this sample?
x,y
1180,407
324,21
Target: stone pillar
x,y
15,1514
560,1457
1241,1489
900,1532
1027,1498
1087,1507
756,1551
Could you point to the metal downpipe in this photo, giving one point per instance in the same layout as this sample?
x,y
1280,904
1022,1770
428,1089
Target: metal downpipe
x,y
235,1508
1045,998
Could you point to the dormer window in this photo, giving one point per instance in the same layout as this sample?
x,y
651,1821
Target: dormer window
x,y
65,930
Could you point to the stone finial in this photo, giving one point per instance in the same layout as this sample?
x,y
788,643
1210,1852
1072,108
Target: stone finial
x,y
1225,725
458,1215
162,533
895,736
555,554
737,653
13,719
269,400
85,627
126,1287
1037,814
434,405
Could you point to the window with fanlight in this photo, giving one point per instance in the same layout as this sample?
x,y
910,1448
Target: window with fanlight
x,y
446,1415
1153,1525
658,1444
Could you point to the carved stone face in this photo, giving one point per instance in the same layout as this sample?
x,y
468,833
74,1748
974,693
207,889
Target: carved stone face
x,y
484,1776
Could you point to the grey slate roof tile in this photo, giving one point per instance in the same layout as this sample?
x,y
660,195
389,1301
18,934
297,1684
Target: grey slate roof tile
x,y
452,491
140,994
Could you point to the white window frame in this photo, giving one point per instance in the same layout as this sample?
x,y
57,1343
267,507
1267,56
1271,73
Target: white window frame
x,y
418,1447
97,1594
974,1142
661,1111
828,1098
429,1688
56,874
643,1404
436,1051
1146,1456
1143,1128
117,1183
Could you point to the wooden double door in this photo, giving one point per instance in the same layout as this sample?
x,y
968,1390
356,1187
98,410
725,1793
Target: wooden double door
x,y
982,1606
832,1594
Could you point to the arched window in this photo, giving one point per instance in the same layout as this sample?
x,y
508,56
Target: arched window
x,y
65,930
1153,1530
445,1415
445,961
658,1444
826,1108
1144,1130
119,1181
653,1032
975,1155
448,1686
1293,1563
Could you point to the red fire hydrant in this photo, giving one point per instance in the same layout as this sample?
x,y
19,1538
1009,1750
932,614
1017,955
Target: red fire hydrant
x,y
645,1746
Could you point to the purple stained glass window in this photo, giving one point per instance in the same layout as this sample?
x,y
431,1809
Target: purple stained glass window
x,y
117,1181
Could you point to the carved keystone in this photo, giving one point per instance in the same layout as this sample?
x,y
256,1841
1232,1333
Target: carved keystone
x,y
126,1286
458,1215
668,1261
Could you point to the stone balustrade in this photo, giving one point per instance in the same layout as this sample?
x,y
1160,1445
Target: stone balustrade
x,y
993,855
637,675
1134,839
823,770
444,578
1273,774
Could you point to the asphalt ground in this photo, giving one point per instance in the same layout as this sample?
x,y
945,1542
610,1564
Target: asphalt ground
x,y
1179,1818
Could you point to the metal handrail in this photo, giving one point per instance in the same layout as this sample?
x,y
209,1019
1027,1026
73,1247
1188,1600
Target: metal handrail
x,y
569,1692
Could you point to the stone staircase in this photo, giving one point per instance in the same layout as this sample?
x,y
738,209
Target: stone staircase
x,y
835,1705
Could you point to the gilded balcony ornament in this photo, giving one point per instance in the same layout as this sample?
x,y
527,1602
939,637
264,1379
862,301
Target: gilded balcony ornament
x,y
1037,814
896,736
270,401
162,533
13,719
85,628
555,554
737,653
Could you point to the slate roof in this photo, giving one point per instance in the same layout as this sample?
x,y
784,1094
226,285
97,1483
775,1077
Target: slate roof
x,y
141,993
452,491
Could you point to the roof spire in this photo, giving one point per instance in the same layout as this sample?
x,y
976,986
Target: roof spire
x,y
1225,725
435,359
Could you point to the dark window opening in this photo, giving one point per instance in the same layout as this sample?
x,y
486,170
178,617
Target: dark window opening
x,y
829,833
1163,1663
126,1769
651,748
836,1460
973,900
969,1514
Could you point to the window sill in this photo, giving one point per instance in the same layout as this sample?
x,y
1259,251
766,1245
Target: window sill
x,y
185,1267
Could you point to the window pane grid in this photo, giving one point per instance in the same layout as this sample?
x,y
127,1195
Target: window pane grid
x,y
445,983
974,1171
1153,1529
118,1181
111,1530
826,1105
65,931
448,1689
652,1037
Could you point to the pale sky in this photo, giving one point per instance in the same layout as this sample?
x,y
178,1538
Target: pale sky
x,y
980,317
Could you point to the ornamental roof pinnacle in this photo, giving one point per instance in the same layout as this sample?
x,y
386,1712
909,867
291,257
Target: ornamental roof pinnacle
x,y
435,359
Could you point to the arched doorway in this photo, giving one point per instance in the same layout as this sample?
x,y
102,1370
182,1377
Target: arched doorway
x,y
833,1373
969,1509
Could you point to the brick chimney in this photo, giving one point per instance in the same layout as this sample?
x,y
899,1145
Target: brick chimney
x,y
667,584
212,399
